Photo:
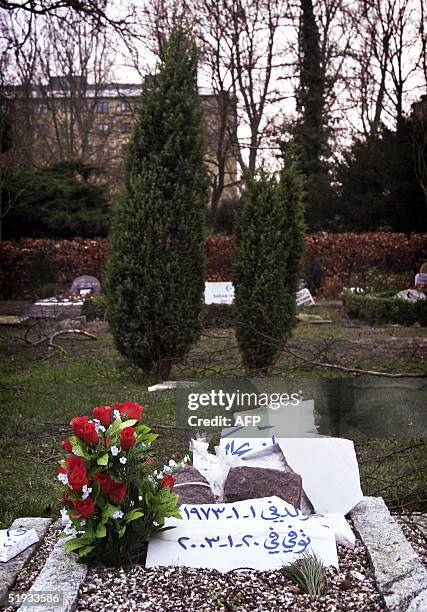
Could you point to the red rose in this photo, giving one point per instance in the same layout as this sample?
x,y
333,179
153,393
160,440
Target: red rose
x,y
127,438
68,502
61,470
89,434
117,492
77,479
66,445
106,442
84,507
129,410
167,482
74,463
77,424
104,481
103,414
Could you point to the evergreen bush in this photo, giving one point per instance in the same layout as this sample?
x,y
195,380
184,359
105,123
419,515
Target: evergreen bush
x,y
269,248
155,272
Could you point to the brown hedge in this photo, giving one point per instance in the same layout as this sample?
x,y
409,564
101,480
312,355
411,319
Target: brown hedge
x,y
345,259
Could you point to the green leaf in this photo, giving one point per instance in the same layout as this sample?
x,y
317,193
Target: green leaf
x,y
121,531
133,515
75,543
108,512
79,447
85,550
114,428
101,531
128,423
103,460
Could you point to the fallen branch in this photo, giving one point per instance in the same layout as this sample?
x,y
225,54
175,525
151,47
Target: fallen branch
x,y
334,366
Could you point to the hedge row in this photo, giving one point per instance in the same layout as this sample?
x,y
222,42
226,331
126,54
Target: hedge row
x,y
378,309
332,261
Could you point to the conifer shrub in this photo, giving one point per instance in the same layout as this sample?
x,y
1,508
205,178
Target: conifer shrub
x,y
269,248
155,271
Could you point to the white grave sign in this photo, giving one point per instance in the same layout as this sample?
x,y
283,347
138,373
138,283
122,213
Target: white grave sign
x,y
304,298
258,534
14,541
219,293
223,293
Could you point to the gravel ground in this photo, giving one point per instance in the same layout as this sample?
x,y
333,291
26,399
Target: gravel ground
x,y
184,589
32,569
414,526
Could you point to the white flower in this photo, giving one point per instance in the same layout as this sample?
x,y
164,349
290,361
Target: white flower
x,y
69,530
63,478
123,460
140,497
114,451
116,414
82,523
186,459
172,463
64,514
117,515
86,491
166,469
99,427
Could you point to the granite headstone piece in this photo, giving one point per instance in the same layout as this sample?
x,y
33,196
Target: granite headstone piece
x,y
192,487
252,482
85,285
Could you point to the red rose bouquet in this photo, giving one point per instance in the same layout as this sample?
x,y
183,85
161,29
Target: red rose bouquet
x,y
112,504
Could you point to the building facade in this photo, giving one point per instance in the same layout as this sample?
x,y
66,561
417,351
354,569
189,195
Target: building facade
x,y
75,120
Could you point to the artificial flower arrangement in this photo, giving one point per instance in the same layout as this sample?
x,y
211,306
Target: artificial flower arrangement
x,y
112,504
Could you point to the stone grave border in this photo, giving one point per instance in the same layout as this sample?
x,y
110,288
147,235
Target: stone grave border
x,y
400,575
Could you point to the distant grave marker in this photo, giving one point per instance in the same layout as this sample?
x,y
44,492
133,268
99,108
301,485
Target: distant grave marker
x,y
421,277
85,285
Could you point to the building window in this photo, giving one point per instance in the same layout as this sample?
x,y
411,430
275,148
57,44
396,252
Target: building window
x,y
66,106
102,107
103,128
43,109
125,128
125,107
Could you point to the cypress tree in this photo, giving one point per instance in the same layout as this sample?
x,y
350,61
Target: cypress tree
x,y
269,247
155,273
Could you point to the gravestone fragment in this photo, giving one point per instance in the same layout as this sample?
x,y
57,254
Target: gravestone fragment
x,y
85,285
10,570
192,487
252,483
410,295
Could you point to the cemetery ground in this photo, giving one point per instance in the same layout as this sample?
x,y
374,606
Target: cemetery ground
x,y
41,390
40,395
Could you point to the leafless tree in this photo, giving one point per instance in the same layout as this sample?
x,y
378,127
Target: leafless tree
x,y
385,61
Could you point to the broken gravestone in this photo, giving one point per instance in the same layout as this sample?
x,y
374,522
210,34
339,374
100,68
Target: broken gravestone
x,y
251,483
85,285
192,487
410,295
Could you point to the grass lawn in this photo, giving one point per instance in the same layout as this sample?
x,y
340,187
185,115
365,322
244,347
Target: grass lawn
x,y
39,397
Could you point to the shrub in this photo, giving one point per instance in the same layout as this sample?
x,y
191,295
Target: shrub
x,y
94,307
309,573
269,246
155,274
64,200
113,506
385,309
